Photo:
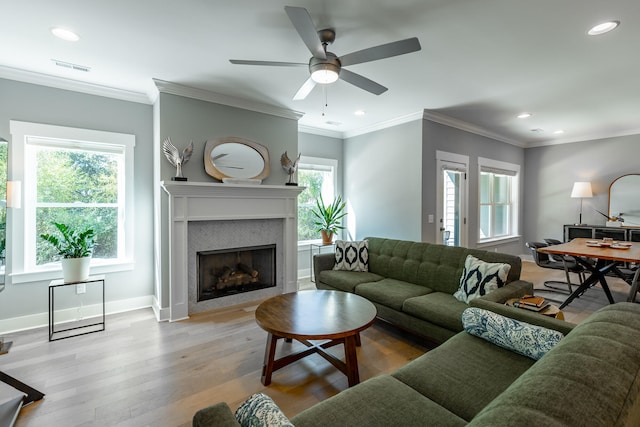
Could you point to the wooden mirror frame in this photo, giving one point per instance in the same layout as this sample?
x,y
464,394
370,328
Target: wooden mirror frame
x,y
213,171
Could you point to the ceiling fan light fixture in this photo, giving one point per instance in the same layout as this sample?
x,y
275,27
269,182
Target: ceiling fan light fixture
x,y
324,73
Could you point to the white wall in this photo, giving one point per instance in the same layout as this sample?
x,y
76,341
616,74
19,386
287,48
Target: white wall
x,y
551,172
383,183
25,304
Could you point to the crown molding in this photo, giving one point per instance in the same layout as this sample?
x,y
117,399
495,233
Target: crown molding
x,y
72,85
585,138
217,98
319,131
468,127
384,124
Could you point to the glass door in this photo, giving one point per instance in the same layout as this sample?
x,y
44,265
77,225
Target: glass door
x,y
452,200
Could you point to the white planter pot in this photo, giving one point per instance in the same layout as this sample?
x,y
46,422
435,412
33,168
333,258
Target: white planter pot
x,y
75,269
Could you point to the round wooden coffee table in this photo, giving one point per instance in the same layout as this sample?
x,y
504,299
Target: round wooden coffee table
x,y
313,316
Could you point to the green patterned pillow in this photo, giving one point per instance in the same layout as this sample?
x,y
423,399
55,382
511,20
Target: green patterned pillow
x,y
520,337
261,411
479,278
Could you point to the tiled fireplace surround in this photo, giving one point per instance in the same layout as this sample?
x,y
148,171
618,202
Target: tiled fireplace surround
x,y
209,216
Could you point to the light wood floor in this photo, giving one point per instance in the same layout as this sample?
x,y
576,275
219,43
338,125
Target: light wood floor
x,y
143,373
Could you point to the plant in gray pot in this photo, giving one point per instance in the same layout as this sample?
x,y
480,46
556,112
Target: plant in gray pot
x,y
75,247
329,218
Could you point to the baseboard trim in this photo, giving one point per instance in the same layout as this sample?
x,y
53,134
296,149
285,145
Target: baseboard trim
x,y
162,314
39,320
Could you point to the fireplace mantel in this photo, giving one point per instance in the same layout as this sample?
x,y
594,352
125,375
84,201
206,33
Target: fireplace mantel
x,y
199,201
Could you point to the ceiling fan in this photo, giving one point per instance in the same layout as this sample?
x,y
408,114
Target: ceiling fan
x,y
325,67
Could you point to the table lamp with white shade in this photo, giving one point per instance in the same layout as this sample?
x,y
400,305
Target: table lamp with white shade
x,y
581,190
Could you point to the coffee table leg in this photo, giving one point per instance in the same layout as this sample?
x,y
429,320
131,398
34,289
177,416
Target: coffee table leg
x,y
351,360
358,341
269,356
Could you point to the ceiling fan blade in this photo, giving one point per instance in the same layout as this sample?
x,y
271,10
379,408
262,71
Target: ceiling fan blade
x,y
304,90
271,63
301,20
380,52
362,82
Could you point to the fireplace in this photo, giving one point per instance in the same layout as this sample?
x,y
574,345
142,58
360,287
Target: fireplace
x,y
226,272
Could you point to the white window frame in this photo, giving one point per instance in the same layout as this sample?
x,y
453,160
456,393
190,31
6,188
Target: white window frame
x,y
308,162
513,170
21,242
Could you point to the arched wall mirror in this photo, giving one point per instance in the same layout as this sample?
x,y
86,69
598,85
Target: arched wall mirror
x,y
624,199
233,157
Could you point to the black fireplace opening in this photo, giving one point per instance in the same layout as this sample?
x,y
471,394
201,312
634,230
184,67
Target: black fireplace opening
x,y
232,271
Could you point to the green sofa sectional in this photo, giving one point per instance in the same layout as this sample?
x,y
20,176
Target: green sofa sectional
x,y
590,378
412,284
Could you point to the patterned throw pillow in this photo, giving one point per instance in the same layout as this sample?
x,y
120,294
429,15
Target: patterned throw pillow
x,y
352,256
261,411
479,278
520,337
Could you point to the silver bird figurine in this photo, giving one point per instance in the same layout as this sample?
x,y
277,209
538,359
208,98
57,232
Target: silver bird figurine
x,y
175,158
289,166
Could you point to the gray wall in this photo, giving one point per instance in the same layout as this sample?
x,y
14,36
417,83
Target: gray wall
x,y
329,148
187,119
383,182
551,172
444,138
40,104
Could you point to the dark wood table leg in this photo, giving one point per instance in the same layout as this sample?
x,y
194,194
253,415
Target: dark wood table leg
x,y
351,360
358,341
269,356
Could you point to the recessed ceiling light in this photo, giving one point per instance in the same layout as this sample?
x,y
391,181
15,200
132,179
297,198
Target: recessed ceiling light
x,y
64,34
558,132
524,115
359,113
602,28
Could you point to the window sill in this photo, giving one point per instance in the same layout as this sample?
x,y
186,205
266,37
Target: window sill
x,y
497,241
56,273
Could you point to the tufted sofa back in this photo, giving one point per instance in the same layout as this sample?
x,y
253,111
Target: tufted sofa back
x,y
437,267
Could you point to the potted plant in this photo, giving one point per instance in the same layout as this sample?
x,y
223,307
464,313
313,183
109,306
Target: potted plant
x,y
329,218
75,248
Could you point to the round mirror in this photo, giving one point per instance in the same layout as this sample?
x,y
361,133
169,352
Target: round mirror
x,y
624,199
236,158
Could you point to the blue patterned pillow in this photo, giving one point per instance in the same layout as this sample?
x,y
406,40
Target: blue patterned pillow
x,y
261,411
352,256
520,337
479,278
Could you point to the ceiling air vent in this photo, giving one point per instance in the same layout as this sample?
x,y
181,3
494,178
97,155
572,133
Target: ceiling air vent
x,y
71,66
332,123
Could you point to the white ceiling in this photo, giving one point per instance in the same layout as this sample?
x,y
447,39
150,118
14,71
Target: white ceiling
x,y
481,62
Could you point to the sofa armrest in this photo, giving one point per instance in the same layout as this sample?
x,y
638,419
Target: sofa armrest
x,y
323,262
515,289
219,415
523,315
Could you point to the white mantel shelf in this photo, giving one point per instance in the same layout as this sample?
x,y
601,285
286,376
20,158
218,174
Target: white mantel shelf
x,y
204,201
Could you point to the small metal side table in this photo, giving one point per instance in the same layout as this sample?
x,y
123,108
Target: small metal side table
x,y
318,247
83,328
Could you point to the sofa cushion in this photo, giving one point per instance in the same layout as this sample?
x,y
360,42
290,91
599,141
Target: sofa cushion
x,y
464,374
380,401
352,256
591,378
480,278
390,292
261,410
439,308
523,338
346,280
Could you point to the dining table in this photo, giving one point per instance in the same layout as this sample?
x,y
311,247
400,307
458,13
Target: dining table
x,y
600,257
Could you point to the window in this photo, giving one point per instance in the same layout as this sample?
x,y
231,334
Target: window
x,y
78,177
498,196
320,177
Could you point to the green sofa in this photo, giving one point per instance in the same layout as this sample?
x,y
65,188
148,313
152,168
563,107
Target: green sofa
x,y
412,284
590,378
